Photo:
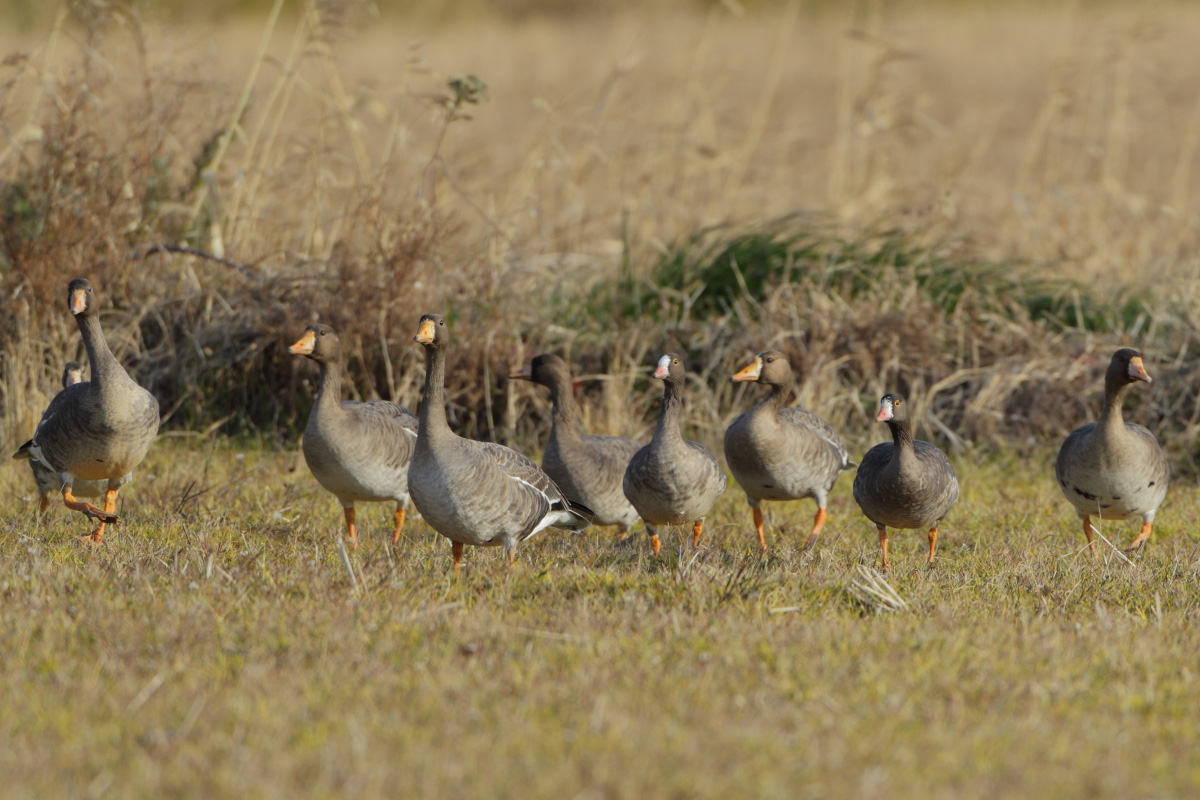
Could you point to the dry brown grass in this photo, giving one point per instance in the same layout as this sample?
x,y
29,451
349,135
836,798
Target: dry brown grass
x,y
216,647
318,152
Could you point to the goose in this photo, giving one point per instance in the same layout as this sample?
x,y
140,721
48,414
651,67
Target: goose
x,y
46,477
477,493
357,451
671,481
96,430
1113,469
777,452
588,469
902,483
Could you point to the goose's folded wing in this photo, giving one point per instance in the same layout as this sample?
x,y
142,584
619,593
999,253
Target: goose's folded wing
x,y
807,420
548,497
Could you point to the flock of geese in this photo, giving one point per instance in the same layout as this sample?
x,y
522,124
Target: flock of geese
x,y
95,432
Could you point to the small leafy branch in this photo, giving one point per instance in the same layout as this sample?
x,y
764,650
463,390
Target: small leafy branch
x,y
469,90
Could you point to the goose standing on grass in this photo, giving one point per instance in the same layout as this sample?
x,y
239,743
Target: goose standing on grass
x,y
671,481
588,469
777,452
477,493
902,483
358,451
1113,469
97,430
46,477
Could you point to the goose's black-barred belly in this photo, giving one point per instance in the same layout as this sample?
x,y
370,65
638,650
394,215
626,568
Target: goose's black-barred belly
x,y
797,455
590,470
915,495
1117,479
91,439
673,485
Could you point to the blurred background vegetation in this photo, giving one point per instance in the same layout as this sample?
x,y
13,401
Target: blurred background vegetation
x,y
970,202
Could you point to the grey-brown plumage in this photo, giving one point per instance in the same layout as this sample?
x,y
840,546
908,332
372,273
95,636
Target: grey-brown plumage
x,y
97,430
782,453
477,493
902,483
672,481
46,477
588,469
1113,469
357,451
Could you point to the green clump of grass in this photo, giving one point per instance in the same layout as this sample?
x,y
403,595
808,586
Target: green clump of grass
x,y
707,272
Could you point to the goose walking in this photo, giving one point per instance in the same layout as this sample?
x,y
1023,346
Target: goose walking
x,y
1113,469
588,469
96,430
902,483
477,493
672,481
357,451
777,452
46,477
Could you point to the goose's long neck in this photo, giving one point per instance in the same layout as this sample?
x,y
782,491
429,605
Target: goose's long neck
x,y
902,437
106,370
776,399
1112,420
566,412
432,422
668,418
329,390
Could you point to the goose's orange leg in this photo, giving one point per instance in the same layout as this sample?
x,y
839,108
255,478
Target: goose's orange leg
x,y
883,541
457,549
43,505
397,518
351,530
932,544
1141,538
758,528
655,542
87,509
696,529
110,505
1087,531
818,523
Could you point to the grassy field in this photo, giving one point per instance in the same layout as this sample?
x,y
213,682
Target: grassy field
x,y
972,203
217,645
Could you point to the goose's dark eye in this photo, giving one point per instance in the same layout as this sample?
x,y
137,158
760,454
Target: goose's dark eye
x,y
322,333
441,322
769,360
675,361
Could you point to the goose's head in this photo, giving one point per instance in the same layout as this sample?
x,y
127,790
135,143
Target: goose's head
x,y
81,299
319,343
73,373
892,408
770,367
546,369
431,332
1127,367
670,369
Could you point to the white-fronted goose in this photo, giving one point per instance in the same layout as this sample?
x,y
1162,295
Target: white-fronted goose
x,y
782,453
588,469
358,451
902,483
671,481
1113,469
477,493
48,482
97,430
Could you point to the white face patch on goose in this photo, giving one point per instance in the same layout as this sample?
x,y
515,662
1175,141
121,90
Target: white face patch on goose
x,y
664,367
885,410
